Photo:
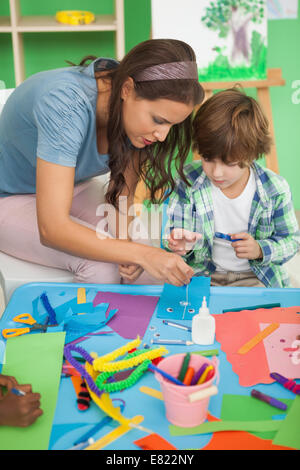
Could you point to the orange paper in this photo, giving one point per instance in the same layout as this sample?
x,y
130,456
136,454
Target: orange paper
x,y
234,329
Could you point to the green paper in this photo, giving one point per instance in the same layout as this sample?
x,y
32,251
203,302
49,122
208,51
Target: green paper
x,y
215,426
246,408
289,432
34,359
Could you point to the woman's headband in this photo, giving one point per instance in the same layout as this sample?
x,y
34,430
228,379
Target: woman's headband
x,y
169,71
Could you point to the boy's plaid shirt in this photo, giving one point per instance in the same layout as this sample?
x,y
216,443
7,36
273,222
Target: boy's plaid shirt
x,y
272,223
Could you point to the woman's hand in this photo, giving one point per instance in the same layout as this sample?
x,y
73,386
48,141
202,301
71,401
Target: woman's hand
x,y
130,272
247,248
181,241
166,267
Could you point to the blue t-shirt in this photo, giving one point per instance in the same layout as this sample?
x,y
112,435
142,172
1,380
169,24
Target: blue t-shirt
x,y
51,115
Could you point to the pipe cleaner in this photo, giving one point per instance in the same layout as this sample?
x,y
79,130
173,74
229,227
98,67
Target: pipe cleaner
x,y
122,384
50,310
104,363
101,398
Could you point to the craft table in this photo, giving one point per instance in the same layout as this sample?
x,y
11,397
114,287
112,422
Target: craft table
x,y
69,423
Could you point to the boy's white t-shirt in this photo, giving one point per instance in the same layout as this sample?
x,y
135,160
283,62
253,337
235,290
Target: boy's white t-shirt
x,y
231,216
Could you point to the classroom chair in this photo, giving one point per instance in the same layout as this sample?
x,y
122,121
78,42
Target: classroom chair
x,y
15,272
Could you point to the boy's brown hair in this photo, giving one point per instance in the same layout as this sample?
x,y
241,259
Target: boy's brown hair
x,y
231,126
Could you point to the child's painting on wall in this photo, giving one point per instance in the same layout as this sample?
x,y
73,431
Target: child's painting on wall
x,y
228,36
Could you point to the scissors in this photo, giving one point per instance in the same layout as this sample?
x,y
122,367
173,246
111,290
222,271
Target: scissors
x,y
27,319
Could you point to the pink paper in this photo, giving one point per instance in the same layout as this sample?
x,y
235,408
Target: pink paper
x,y
234,329
286,363
134,312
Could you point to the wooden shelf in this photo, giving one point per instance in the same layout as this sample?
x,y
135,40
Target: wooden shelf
x,y
5,26
17,25
45,24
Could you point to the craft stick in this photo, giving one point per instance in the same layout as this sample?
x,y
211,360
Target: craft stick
x,y
201,394
203,377
188,376
81,297
257,338
151,392
115,434
184,367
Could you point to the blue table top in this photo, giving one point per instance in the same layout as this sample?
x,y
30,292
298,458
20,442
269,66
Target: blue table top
x,y
69,423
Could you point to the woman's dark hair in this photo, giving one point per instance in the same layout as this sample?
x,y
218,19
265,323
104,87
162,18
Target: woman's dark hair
x,y
156,162
231,126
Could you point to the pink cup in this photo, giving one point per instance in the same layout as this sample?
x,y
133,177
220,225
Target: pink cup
x,y
179,410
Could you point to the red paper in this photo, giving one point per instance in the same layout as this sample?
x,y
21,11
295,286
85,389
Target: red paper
x,y
154,442
234,329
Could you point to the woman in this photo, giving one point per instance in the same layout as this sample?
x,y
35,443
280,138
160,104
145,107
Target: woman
x,y
60,128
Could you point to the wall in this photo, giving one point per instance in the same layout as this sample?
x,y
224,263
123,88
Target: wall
x,y
50,50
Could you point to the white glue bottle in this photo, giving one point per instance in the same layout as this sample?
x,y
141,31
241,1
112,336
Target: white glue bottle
x,y
203,326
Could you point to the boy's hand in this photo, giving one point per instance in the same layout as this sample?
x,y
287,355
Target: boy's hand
x,y
130,272
181,241
16,410
247,248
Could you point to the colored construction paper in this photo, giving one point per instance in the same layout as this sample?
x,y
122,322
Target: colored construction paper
x,y
182,303
36,360
154,442
238,440
284,362
252,367
134,312
246,408
289,431
208,427
77,326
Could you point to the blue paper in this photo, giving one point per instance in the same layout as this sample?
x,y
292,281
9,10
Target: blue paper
x,y
182,303
77,326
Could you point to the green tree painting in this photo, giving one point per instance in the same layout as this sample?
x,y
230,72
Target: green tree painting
x,y
247,57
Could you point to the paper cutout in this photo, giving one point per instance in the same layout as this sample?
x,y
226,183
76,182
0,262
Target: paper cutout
x,y
77,326
252,368
36,360
182,303
239,440
154,442
288,434
257,338
246,408
134,312
218,426
278,359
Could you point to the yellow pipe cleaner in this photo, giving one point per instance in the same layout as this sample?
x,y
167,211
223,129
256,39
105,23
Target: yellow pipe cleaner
x,y
104,364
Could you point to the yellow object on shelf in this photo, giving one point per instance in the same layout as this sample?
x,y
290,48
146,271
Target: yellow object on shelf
x,y
75,17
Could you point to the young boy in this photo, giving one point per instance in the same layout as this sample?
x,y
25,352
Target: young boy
x,y
18,410
230,193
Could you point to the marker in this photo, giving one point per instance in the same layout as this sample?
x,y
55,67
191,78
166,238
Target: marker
x,y
172,341
18,392
267,399
287,383
165,374
184,367
177,325
226,237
